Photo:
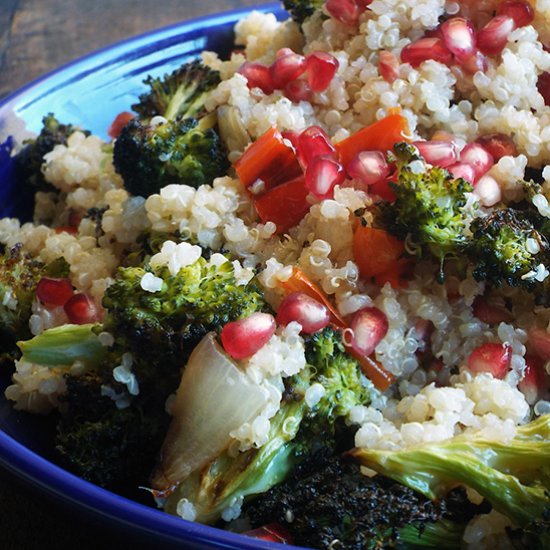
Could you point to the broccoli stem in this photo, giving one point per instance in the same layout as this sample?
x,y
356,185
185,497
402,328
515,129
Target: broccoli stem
x,y
443,535
63,345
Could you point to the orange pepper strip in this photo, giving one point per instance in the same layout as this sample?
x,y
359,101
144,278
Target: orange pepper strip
x,y
379,136
300,282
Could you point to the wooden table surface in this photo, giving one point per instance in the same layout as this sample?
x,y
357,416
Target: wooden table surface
x,y
37,36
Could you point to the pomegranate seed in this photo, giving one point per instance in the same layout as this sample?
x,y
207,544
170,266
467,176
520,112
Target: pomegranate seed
x,y
313,142
292,137
369,326
363,3
543,86
521,12
540,342
534,384
369,167
475,62
55,292
272,532
311,314
426,48
463,170
492,38
286,68
298,90
477,156
438,153
118,123
490,313
284,51
245,337
487,189
81,309
459,36
322,175
498,145
492,358
388,66
257,76
320,70
345,11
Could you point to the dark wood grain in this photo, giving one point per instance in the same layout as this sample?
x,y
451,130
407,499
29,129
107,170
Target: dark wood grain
x,y
36,36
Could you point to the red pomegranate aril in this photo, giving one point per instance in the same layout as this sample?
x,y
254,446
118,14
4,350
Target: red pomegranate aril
x,y
299,307
498,145
490,313
287,68
81,309
424,49
459,36
521,12
539,339
492,358
543,86
477,156
118,123
463,170
534,384
322,175
320,70
345,11
284,51
298,90
474,62
492,38
292,136
388,66
257,76
488,190
245,337
438,153
54,292
369,326
313,142
273,532
369,167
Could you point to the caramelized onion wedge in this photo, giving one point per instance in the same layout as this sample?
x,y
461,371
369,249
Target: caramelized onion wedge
x,y
214,398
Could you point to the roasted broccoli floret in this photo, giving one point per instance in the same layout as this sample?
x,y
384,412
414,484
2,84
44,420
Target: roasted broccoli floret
x,y
331,504
181,93
30,159
427,210
300,10
513,476
500,251
168,323
296,431
185,148
19,275
184,151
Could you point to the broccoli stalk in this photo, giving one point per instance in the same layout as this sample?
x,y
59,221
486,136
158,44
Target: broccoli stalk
x,y
295,431
184,148
511,476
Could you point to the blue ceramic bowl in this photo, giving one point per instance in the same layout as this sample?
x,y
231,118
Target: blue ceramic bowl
x,y
90,92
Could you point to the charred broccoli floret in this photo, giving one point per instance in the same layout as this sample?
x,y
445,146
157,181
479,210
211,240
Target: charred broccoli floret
x,y
184,151
512,476
30,159
331,504
300,10
19,275
428,206
500,250
296,431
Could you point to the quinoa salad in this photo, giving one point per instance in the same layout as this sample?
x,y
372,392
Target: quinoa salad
x,y
303,293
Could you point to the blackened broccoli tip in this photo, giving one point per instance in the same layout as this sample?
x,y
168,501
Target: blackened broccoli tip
x,y
20,273
180,94
510,475
168,323
29,160
427,210
500,248
300,10
183,151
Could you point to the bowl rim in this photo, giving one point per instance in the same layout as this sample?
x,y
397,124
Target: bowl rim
x,y
48,477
